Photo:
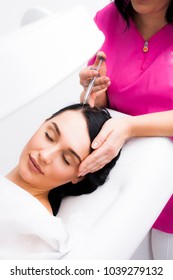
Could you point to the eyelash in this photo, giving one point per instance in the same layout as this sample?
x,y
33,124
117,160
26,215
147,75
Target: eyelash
x,y
48,137
51,140
66,161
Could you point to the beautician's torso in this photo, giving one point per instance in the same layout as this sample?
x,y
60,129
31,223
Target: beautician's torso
x,y
135,74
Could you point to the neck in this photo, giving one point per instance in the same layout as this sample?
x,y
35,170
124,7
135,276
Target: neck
x,y
149,25
41,195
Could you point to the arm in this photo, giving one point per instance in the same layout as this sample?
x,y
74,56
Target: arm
x,y
154,124
117,131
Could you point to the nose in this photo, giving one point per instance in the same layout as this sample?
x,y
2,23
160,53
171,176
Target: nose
x,y
47,155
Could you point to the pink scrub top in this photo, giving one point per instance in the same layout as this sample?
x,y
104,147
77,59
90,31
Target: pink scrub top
x,y
141,82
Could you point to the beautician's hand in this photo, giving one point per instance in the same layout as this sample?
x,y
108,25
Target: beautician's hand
x,y
107,144
101,83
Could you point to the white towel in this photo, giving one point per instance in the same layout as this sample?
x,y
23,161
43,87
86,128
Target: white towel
x,y
27,229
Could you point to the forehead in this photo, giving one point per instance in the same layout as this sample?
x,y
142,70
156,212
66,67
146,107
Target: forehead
x,y
71,118
74,131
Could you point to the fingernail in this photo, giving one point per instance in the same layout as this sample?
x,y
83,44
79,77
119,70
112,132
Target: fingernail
x,y
95,145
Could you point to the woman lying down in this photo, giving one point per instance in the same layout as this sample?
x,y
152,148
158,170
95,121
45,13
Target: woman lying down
x,y
30,195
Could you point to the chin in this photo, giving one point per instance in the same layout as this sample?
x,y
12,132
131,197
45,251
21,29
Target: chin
x,y
25,176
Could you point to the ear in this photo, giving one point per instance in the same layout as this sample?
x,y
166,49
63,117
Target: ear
x,y
77,179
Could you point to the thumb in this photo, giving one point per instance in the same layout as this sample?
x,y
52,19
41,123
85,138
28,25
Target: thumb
x,y
101,136
102,70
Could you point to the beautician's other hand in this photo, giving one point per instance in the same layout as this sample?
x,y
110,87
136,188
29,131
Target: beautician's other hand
x,y
101,83
114,133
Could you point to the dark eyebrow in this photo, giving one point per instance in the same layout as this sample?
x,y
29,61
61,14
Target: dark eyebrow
x,y
56,128
75,154
69,149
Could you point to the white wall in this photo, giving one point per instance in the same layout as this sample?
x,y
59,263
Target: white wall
x,y
11,11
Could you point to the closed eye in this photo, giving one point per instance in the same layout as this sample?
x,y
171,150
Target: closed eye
x,y
48,136
65,160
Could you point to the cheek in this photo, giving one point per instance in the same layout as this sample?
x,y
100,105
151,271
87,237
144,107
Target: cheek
x,y
29,148
36,142
33,144
61,173
24,154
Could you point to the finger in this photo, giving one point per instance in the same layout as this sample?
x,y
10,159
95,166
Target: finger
x,y
97,164
102,157
102,70
100,88
102,54
86,75
98,158
101,82
89,72
102,135
91,164
95,161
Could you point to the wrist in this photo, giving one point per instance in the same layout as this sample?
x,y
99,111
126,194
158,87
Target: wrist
x,y
141,126
101,100
133,124
130,130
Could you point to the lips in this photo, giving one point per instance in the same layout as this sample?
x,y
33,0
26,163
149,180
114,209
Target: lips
x,y
35,166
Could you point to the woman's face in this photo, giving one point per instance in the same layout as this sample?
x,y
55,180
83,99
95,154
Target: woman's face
x,y
150,6
53,154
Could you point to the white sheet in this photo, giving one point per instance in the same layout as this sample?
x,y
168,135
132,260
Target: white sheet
x,y
27,229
